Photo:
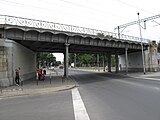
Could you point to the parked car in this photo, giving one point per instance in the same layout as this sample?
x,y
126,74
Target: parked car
x,y
51,67
61,66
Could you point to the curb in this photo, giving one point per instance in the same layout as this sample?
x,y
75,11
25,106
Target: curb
x,y
25,92
40,92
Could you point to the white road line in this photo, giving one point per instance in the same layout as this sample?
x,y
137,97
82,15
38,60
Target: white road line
x,y
80,112
156,79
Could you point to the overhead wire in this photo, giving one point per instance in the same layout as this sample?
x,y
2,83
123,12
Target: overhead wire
x,y
74,4
63,12
133,6
35,7
105,13
95,9
52,19
35,16
146,11
149,32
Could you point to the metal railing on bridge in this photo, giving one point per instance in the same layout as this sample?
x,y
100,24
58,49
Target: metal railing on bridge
x,y
19,21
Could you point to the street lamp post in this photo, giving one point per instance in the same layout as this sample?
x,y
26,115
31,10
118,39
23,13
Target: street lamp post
x,y
144,70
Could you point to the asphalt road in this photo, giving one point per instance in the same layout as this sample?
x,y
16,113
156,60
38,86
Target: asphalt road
x,y
105,96
116,97
57,106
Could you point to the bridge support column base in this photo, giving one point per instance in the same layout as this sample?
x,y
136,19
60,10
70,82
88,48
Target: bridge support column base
x,y
66,61
109,62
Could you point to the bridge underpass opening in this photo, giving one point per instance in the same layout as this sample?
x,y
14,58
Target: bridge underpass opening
x,y
41,46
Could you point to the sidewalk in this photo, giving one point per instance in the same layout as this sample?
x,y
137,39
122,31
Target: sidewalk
x,y
147,74
32,87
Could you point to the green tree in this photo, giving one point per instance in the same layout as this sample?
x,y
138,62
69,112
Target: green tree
x,y
90,59
51,59
86,58
71,58
45,59
113,60
101,35
81,58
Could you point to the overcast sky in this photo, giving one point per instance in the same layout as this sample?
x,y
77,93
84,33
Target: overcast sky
x,y
96,14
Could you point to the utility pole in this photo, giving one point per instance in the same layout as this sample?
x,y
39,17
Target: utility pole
x,y
143,62
118,32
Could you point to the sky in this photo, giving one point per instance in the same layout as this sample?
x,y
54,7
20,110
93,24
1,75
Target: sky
x,y
97,14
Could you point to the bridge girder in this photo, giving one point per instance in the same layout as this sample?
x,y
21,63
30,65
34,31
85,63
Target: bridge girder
x,y
47,40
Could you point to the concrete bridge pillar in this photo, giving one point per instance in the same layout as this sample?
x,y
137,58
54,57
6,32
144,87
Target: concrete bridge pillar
x,y
75,60
98,62
104,67
109,62
66,60
117,62
126,59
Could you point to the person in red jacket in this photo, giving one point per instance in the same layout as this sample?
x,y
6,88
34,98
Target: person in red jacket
x,y
40,74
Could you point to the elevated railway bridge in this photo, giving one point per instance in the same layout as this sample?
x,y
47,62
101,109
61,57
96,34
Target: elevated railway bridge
x,y
44,36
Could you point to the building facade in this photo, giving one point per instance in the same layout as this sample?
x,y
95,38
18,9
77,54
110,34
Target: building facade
x,y
135,60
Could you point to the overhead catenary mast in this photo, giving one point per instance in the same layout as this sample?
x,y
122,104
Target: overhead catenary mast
x,y
137,22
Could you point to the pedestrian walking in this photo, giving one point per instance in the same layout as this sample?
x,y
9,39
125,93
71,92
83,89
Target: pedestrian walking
x,y
20,76
17,76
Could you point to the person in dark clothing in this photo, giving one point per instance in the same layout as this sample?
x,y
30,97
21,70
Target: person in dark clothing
x,y
17,76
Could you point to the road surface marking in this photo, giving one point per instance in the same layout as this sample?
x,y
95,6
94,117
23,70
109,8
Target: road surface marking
x,y
156,79
80,112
